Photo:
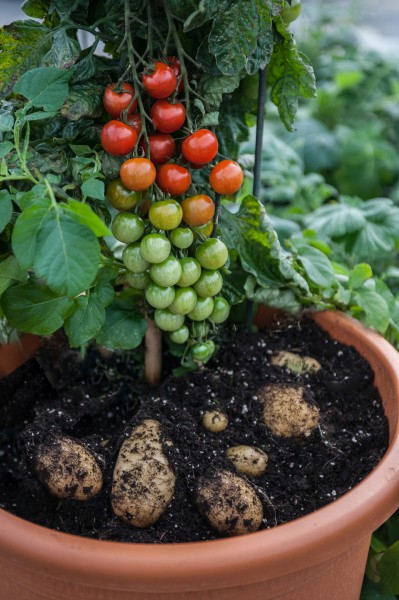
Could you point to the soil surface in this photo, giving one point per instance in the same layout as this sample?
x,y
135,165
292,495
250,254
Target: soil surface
x,y
98,401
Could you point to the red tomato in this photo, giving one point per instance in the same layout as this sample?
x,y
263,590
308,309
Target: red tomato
x,y
200,147
168,117
135,121
117,101
173,179
161,83
162,147
117,138
137,174
175,65
198,210
226,177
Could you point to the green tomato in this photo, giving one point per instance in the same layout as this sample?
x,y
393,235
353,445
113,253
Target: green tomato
x,y
127,228
181,335
120,197
203,309
212,254
167,321
165,214
155,247
190,272
221,310
182,237
209,284
167,272
138,281
202,351
133,259
199,329
291,11
158,296
185,301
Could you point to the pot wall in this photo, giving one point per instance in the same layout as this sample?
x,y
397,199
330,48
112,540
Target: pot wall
x,y
318,557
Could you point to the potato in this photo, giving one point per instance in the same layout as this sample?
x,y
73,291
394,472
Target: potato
x,y
295,362
229,503
215,420
143,482
248,460
286,411
68,469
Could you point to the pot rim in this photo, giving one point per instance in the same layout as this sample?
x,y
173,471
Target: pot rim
x,y
311,539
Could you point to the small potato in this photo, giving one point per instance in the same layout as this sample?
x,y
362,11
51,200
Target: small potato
x,y
248,460
68,469
229,503
295,362
143,482
215,420
286,412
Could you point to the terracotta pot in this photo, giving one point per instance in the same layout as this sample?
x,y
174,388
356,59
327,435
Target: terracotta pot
x,y
318,557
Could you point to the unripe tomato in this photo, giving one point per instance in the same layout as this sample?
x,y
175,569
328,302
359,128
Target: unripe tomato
x,y
173,179
161,82
117,138
120,197
165,214
203,309
226,177
181,335
136,122
138,281
168,117
155,248
138,174
221,310
116,100
209,284
185,301
167,321
202,351
175,65
190,272
162,147
133,260
166,273
212,254
199,329
127,228
291,11
200,147
182,237
158,296
198,210
204,231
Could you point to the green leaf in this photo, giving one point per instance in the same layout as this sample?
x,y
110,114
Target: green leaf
x,y
64,51
213,87
94,188
86,320
33,308
40,115
265,41
26,232
372,591
6,121
276,298
336,220
84,100
84,214
37,9
389,570
124,326
359,275
10,272
5,209
317,266
45,87
377,313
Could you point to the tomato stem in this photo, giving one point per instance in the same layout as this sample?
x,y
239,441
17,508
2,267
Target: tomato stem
x,y
218,203
180,54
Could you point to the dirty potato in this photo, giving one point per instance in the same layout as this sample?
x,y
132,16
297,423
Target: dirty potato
x,y
248,460
68,469
143,482
295,362
215,420
286,412
229,503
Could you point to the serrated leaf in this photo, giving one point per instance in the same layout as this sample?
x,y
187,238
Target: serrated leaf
x,y
84,100
94,188
64,51
86,320
84,214
317,266
359,275
10,272
45,87
124,327
5,209
265,40
213,87
33,308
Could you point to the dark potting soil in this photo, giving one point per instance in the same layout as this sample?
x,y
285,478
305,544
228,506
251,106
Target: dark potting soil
x,y
98,401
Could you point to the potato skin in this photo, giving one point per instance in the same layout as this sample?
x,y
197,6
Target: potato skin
x,y
229,503
248,460
286,412
143,482
68,469
295,362
215,420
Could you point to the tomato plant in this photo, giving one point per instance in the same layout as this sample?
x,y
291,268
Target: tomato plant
x,y
116,99
118,138
155,248
182,237
162,147
159,296
184,302
198,210
120,197
212,254
161,82
168,117
173,179
127,228
165,214
226,177
167,272
200,147
137,174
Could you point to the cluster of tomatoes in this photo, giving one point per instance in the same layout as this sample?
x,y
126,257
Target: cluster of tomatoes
x,y
169,253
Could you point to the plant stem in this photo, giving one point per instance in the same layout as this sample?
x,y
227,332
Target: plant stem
x,y
180,54
153,353
218,199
